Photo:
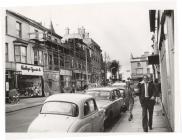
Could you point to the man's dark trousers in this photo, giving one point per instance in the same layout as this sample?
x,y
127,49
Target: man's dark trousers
x,y
147,108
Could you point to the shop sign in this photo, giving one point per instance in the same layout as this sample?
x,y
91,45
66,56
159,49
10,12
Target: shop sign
x,y
29,69
77,71
66,72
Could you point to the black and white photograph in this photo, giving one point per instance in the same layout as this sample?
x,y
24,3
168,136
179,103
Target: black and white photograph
x,y
99,67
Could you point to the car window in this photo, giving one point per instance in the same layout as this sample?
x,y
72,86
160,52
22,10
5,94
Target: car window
x,y
112,97
92,106
99,94
61,108
86,109
121,92
89,107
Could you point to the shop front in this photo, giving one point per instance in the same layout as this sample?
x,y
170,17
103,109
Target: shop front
x,y
66,83
30,80
51,82
78,79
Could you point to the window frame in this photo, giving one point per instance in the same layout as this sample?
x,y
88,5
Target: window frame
x,y
7,52
19,31
20,53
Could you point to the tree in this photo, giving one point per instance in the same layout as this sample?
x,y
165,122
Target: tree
x,y
114,67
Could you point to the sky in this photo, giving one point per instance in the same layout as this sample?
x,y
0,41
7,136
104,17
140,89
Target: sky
x,y
120,29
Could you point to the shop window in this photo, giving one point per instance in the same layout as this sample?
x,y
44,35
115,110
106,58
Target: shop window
x,y
7,52
20,54
18,29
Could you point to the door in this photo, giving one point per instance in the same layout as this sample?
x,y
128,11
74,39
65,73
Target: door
x,y
97,117
116,103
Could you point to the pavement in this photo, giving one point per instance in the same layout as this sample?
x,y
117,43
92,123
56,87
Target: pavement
x,y
25,103
160,122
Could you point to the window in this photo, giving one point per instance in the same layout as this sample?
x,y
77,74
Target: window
x,y
17,54
139,71
92,106
20,54
6,52
40,57
18,29
45,59
6,24
50,59
61,60
36,57
148,70
36,34
138,64
86,108
62,108
23,54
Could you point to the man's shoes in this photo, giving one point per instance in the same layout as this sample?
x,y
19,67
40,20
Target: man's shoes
x,y
150,127
130,118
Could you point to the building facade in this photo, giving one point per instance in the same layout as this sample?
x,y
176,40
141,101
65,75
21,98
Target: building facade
x,y
140,67
162,26
39,60
36,59
93,53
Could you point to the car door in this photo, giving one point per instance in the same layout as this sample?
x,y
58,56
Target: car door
x,y
86,121
120,99
96,115
117,102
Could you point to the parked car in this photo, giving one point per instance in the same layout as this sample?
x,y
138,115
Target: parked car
x,y
121,87
69,113
109,99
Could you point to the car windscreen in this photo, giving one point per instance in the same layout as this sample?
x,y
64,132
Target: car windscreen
x,y
99,94
60,108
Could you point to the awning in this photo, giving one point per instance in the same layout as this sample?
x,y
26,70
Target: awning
x,y
153,59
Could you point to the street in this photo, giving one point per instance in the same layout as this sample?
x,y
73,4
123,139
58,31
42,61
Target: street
x,y
19,121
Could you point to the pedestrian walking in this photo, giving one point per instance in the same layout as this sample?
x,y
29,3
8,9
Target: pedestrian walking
x,y
147,94
130,99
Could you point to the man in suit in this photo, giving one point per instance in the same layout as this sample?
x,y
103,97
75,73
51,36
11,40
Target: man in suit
x,y
147,94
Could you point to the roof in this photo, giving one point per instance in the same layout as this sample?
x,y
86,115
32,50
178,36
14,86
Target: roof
x,y
33,22
102,88
69,97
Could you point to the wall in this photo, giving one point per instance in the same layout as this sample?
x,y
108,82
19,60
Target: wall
x,y
167,70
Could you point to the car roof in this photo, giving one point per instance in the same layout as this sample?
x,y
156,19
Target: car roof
x,y
69,97
103,88
119,84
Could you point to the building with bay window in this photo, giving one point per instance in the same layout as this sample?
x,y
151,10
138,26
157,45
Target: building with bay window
x,y
140,67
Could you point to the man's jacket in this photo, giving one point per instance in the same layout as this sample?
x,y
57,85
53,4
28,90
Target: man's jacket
x,y
151,91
